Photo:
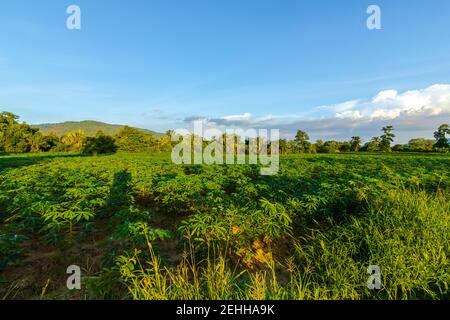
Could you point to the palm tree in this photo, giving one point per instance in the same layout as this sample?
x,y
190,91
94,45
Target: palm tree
x,y
387,138
74,139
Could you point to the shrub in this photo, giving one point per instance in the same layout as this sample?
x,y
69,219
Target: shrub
x,y
100,144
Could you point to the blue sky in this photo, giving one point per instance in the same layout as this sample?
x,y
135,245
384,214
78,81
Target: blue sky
x,y
287,64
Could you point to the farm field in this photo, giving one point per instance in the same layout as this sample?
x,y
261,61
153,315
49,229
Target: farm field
x,y
140,227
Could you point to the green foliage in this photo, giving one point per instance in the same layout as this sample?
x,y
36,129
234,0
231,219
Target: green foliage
x,y
134,140
345,146
421,145
440,136
373,145
15,136
90,128
79,137
11,250
329,147
100,144
301,141
402,232
387,138
355,144
20,137
400,148
74,140
166,231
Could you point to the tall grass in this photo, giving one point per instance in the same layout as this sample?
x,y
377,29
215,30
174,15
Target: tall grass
x,y
405,232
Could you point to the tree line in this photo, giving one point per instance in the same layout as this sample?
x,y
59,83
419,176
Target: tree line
x,y
20,137
383,143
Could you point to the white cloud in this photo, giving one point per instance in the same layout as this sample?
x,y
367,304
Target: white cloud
x,y
385,114
244,117
349,114
419,111
384,96
390,104
340,107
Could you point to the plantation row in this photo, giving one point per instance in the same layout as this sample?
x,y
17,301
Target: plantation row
x,y
141,227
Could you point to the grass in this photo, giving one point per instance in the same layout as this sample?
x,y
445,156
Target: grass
x,y
406,235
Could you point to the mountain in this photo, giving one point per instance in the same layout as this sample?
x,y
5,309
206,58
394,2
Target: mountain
x,y
88,126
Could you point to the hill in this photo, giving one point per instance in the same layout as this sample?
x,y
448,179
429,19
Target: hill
x,y
89,127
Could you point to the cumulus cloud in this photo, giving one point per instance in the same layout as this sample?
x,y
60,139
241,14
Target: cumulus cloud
x,y
412,113
340,107
352,114
385,96
390,104
239,118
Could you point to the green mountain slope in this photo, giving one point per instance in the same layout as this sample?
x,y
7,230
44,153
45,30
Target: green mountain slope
x,y
88,126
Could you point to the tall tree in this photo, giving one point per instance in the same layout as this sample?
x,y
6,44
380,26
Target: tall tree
x,y
356,143
440,136
15,136
301,141
387,138
7,119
